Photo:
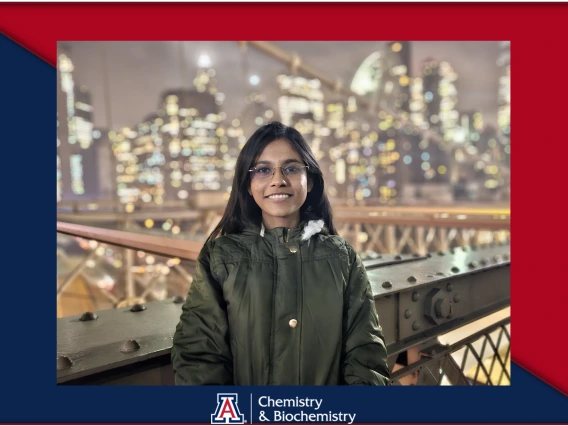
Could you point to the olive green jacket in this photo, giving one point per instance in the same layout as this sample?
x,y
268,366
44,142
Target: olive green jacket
x,y
280,307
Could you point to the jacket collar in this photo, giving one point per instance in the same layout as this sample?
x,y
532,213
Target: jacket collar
x,y
303,232
308,228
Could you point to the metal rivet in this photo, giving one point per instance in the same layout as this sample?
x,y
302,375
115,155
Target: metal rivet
x,y
449,287
452,250
63,362
293,323
455,269
387,284
465,248
497,258
137,308
415,325
407,313
484,261
442,308
129,346
428,255
472,264
88,316
293,249
506,256
415,254
398,257
412,279
178,299
457,298
429,276
441,252
440,274
415,296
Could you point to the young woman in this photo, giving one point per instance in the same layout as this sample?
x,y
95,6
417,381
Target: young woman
x,y
278,297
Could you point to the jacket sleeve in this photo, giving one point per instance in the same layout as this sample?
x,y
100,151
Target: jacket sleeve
x,y
201,352
365,355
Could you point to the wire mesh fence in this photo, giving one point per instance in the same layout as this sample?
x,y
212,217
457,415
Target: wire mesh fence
x,y
481,359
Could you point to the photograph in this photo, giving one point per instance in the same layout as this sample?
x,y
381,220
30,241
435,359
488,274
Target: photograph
x,y
283,213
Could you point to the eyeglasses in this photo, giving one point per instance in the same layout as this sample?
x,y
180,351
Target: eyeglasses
x,y
267,172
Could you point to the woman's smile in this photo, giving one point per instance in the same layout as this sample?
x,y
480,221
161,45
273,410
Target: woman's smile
x,y
279,197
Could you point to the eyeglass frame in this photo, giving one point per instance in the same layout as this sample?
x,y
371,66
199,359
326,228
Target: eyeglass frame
x,y
254,169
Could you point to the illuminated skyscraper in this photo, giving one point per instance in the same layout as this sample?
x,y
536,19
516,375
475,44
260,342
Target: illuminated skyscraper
x,y
300,103
71,183
487,143
105,163
368,172
504,113
440,97
448,100
83,117
472,124
338,150
432,105
431,85
59,182
387,162
74,134
178,150
417,103
395,82
192,146
128,174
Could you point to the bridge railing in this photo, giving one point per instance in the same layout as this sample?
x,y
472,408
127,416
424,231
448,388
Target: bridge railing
x,y
419,234
370,231
408,289
101,268
405,229
478,359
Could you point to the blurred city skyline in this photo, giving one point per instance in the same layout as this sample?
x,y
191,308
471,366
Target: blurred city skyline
x,y
139,72
389,122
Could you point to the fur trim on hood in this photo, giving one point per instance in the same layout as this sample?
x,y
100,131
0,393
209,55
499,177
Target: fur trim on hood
x,y
313,227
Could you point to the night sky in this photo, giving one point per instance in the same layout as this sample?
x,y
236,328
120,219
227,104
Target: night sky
x,y
139,71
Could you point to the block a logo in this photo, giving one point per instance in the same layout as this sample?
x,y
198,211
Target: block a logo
x,y
227,411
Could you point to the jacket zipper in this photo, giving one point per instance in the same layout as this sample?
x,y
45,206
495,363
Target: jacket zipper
x,y
299,316
272,326
285,234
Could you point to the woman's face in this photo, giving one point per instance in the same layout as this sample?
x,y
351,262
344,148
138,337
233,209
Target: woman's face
x,y
278,195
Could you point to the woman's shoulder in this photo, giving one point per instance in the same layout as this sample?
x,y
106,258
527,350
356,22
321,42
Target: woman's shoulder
x,y
335,240
230,245
336,243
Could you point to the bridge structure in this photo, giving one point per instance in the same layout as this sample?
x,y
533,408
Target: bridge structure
x,y
439,275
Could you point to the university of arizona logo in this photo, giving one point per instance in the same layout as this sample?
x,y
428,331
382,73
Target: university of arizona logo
x,y
227,411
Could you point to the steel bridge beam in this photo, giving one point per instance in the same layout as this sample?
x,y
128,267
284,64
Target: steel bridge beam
x,y
417,298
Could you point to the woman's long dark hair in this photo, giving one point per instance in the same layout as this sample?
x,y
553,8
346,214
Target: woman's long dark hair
x,y
242,211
